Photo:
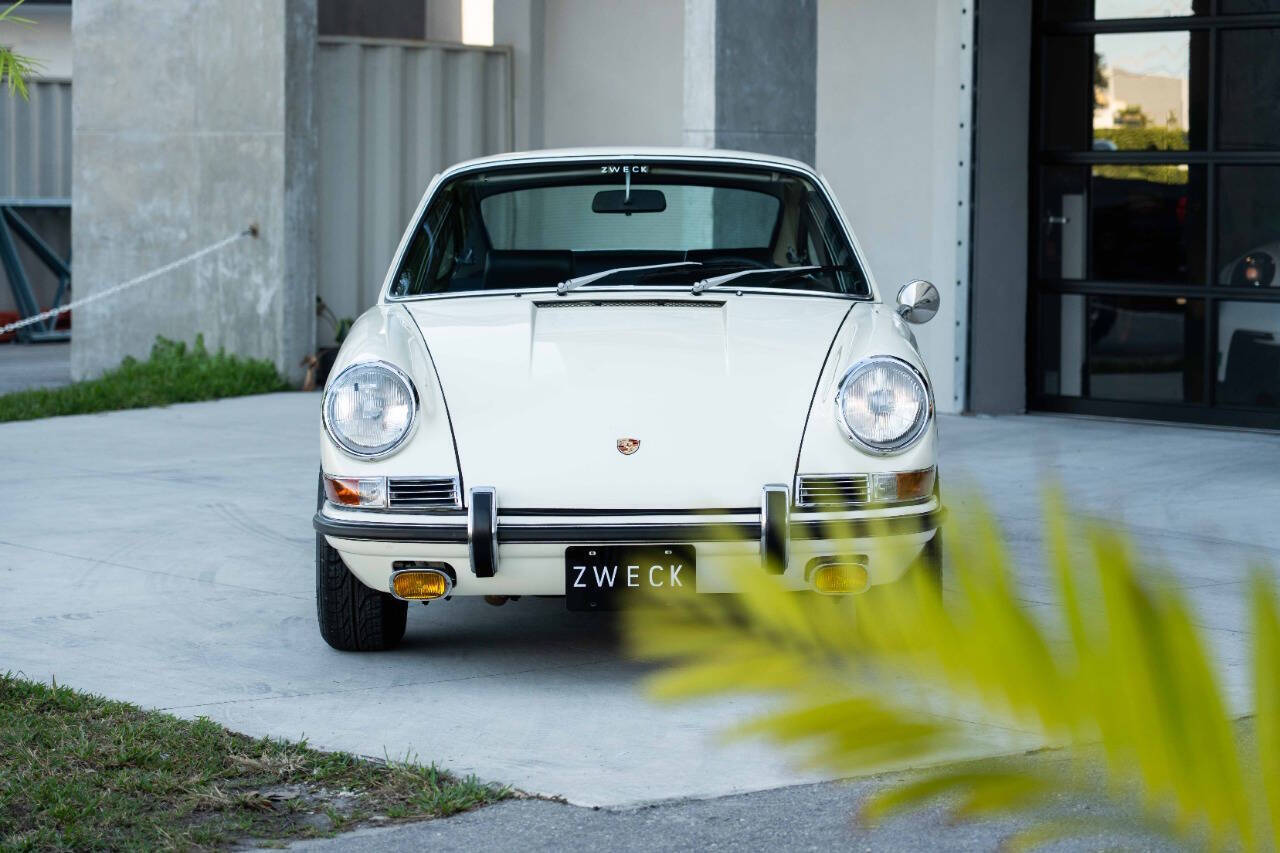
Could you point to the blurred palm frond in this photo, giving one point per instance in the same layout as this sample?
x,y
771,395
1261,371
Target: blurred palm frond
x,y
1121,677
14,67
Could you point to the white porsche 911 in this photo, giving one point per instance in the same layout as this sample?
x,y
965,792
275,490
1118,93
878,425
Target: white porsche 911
x,y
592,373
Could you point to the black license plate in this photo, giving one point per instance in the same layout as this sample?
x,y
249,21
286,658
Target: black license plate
x,y
601,577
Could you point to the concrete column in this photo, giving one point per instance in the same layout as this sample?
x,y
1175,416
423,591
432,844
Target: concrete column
x,y
444,20
1002,122
521,24
751,70
191,121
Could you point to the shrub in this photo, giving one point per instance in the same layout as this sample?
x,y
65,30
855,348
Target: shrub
x,y
174,373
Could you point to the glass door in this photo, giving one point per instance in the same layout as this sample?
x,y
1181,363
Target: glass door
x,y
1156,210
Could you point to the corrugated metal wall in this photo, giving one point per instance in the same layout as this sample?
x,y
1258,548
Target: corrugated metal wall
x,y
35,165
391,115
35,143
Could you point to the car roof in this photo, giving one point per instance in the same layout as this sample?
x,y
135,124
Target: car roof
x,y
710,155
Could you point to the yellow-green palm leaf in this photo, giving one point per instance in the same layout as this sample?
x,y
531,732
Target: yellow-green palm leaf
x,y
1123,678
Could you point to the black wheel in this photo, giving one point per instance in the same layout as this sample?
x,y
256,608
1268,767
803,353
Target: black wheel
x,y
924,574
926,567
929,563
353,617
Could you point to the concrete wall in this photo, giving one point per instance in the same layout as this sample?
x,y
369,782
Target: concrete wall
x,y
521,26
594,72
765,76
893,95
191,121
612,73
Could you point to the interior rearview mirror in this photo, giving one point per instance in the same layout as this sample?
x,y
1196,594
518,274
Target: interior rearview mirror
x,y
918,301
635,201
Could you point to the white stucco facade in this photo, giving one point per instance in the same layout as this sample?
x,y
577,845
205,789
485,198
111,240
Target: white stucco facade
x,y
894,150
893,131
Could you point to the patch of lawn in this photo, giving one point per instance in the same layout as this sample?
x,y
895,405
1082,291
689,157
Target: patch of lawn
x,y
81,772
173,374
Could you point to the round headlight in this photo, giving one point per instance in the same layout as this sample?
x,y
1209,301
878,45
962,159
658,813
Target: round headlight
x,y
883,404
370,408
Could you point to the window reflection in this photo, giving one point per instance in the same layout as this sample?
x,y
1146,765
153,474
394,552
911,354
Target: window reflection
x,y
1125,92
1249,354
1107,9
1248,108
1142,91
1143,348
1122,347
1083,10
1148,223
1249,226
1247,7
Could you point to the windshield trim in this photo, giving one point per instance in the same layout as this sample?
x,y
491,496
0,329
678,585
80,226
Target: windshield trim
x,y
631,290
457,171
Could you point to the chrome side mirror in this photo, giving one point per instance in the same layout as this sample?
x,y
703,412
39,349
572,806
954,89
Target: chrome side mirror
x,y
918,301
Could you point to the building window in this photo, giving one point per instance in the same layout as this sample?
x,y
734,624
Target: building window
x,y
1155,289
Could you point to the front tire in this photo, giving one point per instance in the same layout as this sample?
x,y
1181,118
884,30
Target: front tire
x,y
925,570
929,563
353,617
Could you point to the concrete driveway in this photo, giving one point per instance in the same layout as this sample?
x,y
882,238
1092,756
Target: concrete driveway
x,y
165,557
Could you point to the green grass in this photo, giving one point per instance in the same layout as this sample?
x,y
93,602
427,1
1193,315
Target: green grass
x,y
175,373
81,772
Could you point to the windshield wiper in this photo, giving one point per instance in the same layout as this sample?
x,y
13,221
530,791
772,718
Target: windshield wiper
x,y
577,281
717,281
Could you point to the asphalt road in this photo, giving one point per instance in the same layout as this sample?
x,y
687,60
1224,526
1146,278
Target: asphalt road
x,y
817,817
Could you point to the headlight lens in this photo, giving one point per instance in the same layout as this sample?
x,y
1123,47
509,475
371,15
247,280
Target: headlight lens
x,y
883,404
370,408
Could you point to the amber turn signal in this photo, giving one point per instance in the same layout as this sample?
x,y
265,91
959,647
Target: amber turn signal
x,y
903,486
841,578
356,491
420,584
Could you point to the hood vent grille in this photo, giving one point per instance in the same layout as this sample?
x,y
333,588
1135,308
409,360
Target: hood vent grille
x,y
832,491
630,303
422,493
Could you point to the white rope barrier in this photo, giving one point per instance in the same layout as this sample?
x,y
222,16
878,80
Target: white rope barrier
x,y
251,231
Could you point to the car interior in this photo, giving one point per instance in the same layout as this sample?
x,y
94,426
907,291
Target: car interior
x,y
454,251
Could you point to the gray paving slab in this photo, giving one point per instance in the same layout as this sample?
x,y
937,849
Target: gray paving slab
x,y
165,557
24,366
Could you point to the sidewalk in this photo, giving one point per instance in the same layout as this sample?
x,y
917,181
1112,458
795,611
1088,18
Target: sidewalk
x,y
24,366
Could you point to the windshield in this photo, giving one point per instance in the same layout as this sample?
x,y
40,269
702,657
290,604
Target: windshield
x,y
525,227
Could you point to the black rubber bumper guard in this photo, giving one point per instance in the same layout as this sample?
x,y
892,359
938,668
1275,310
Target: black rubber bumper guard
x,y
482,531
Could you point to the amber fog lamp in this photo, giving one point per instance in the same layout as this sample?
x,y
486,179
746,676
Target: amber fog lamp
x,y
420,584
356,491
841,578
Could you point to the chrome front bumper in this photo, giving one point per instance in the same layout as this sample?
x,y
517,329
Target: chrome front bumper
x,y
520,552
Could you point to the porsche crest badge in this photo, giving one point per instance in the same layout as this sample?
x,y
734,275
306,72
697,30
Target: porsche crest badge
x,y
627,446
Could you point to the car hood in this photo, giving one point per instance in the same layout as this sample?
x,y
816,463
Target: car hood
x,y
716,389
